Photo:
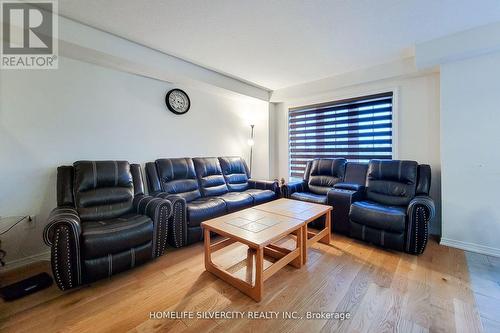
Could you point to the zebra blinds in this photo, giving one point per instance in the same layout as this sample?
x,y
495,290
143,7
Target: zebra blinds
x,y
358,129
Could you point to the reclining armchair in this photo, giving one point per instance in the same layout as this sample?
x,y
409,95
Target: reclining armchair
x,y
321,176
395,209
103,223
204,188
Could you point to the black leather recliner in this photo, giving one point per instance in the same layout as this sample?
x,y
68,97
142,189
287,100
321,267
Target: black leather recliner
x,y
103,223
204,188
321,179
395,209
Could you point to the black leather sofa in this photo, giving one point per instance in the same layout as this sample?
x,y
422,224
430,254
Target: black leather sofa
x,y
385,202
203,188
103,223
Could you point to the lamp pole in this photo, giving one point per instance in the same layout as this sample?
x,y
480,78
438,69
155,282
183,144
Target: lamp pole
x,y
251,143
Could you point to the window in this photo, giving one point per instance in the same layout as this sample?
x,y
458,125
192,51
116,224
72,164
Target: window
x,y
358,129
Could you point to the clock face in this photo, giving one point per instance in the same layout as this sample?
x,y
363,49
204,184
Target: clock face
x,y
177,101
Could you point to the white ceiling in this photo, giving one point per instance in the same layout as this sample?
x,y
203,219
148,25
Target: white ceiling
x,y
280,43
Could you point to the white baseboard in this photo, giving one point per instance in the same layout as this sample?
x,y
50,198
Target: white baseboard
x,y
26,261
472,247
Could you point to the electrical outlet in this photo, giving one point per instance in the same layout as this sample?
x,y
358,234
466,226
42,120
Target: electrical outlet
x,y
30,222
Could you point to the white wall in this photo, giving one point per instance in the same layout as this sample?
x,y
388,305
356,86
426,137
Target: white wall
x,y
417,123
469,63
470,138
84,111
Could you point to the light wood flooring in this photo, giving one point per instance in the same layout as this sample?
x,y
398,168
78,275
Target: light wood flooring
x,y
443,290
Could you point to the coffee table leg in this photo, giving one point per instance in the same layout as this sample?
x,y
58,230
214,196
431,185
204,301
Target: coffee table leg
x,y
259,274
328,227
206,237
304,244
297,262
250,255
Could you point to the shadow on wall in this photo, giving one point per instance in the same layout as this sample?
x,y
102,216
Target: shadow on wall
x,y
25,240
435,194
468,226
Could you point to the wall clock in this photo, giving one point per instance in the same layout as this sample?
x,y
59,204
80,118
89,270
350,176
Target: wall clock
x,y
177,101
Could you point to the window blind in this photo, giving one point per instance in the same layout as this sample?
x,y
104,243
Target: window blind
x,y
358,129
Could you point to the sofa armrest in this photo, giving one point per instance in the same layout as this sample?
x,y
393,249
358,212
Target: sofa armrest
x,y
177,224
341,200
420,211
159,210
272,185
290,188
62,233
425,202
349,186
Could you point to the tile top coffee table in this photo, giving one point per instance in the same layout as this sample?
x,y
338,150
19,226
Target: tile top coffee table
x,y
306,211
259,228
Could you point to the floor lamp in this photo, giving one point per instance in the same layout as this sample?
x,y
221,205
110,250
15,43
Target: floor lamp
x,y
251,143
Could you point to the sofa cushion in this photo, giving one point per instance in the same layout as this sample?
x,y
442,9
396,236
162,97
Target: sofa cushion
x,y
203,209
375,215
210,178
103,267
177,176
261,196
325,173
102,189
111,236
391,182
310,197
235,173
236,201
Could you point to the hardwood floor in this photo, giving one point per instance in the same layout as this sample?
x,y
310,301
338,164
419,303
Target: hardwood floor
x,y
383,291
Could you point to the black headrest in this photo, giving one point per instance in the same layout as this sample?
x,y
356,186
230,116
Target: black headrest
x,y
175,168
334,167
104,189
391,182
393,170
207,166
95,174
233,165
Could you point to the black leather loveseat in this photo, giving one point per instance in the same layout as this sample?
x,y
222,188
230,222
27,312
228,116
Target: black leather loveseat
x,y
103,223
334,182
385,202
204,188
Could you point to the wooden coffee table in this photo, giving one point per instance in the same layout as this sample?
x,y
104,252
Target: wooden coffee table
x,y
307,212
260,228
